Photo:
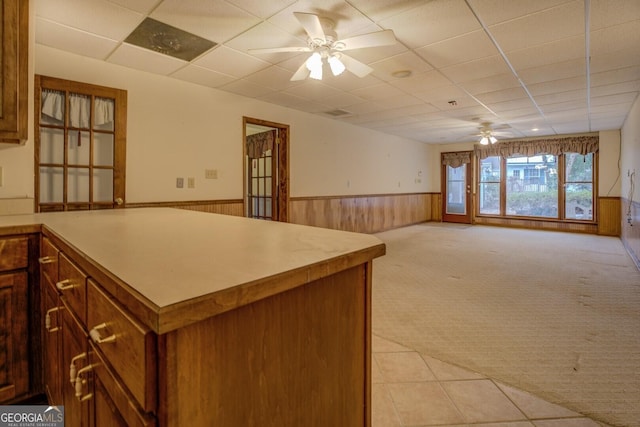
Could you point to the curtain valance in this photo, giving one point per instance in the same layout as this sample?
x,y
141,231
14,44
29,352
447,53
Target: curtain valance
x,y
259,143
455,160
555,146
79,109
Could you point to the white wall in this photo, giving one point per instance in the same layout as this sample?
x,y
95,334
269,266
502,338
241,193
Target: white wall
x,y
178,129
630,159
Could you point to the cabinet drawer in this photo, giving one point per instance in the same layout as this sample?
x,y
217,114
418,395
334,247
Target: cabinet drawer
x,y
128,346
49,260
113,404
14,253
72,284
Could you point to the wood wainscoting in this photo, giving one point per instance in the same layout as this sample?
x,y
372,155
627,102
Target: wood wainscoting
x,y
225,207
608,223
365,214
630,233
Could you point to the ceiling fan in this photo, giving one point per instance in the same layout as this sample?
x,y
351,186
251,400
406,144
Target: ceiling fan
x,y
488,133
325,47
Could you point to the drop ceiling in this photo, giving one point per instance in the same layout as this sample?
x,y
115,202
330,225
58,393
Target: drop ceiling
x,y
530,68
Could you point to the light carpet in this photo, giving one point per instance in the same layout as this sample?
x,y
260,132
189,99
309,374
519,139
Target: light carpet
x,y
556,314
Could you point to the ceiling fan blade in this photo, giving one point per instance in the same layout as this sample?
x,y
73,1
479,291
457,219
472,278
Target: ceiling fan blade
x,y
311,24
281,49
378,38
302,72
355,66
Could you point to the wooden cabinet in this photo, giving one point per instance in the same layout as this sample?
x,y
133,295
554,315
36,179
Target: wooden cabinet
x,y
102,373
14,360
14,57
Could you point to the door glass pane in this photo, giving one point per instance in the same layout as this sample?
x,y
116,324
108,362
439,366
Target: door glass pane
x,y
52,146
532,186
52,107
102,149
456,190
267,202
489,191
267,186
51,184
103,185
103,114
79,143
77,185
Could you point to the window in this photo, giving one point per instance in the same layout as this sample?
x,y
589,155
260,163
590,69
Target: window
x,y
544,186
80,145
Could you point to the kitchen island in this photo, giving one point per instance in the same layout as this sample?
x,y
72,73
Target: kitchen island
x,y
190,318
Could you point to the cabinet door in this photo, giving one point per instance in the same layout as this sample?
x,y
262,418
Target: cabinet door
x,y
14,365
52,344
112,404
74,352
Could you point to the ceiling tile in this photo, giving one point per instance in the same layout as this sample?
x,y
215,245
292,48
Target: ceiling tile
x,y
607,13
231,62
98,17
613,60
405,61
248,89
456,50
275,78
312,90
202,76
381,9
616,88
266,35
557,86
476,69
142,59
491,83
547,53
621,75
261,8
502,95
494,11
421,82
556,71
565,20
620,37
432,22
217,21
377,92
71,40
142,6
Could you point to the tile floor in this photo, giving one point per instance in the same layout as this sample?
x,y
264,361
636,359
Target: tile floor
x,y
413,389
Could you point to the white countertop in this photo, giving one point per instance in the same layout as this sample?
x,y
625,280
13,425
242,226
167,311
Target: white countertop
x,y
170,256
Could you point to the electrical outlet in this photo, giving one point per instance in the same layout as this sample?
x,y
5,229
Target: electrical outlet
x,y
191,182
211,173
179,182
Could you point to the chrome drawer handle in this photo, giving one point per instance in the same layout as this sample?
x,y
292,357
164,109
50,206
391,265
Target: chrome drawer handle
x,y
65,284
73,371
97,338
46,260
80,381
47,319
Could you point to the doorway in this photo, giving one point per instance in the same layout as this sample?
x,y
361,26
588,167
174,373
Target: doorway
x,y
266,169
456,187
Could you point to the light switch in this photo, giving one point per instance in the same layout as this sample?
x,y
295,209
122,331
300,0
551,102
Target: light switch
x,y
211,173
179,182
191,182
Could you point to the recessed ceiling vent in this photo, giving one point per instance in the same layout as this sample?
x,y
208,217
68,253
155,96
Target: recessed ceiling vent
x,y
337,113
160,37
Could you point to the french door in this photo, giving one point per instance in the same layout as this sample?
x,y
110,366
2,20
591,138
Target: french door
x,y
266,170
456,191
80,138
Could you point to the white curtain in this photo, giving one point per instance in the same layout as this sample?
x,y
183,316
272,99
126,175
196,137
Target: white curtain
x,y
79,109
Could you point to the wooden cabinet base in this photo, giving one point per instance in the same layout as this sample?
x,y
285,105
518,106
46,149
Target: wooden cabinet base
x,y
296,358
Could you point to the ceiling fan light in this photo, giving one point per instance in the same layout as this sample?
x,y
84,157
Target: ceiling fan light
x,y
493,139
337,67
484,140
316,73
314,62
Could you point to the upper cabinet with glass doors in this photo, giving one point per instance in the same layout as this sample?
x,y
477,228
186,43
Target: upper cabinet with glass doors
x,y
80,145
